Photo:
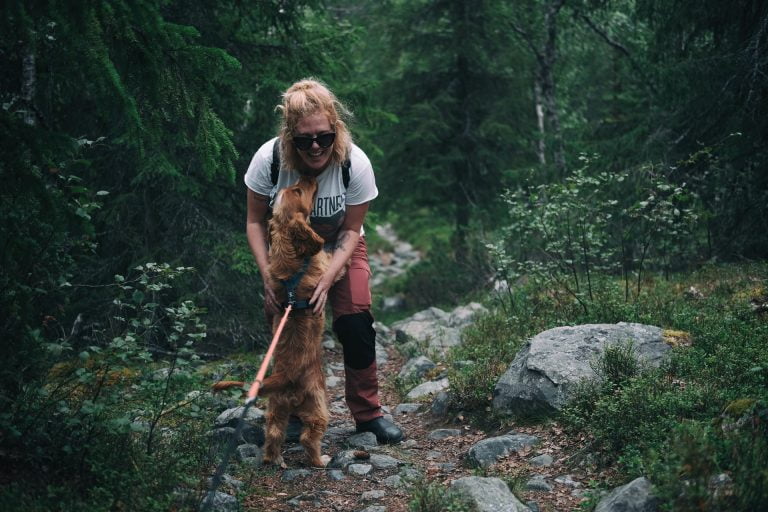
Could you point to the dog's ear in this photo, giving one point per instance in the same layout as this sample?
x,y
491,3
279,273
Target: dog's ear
x,y
304,239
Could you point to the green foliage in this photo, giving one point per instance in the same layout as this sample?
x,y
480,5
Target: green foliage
x,y
596,222
700,414
111,424
46,224
488,346
433,497
716,466
448,139
446,274
617,364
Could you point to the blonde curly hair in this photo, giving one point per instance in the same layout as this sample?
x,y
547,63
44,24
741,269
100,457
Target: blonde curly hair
x,y
306,97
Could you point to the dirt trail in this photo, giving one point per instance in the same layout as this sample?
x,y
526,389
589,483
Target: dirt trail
x,y
300,487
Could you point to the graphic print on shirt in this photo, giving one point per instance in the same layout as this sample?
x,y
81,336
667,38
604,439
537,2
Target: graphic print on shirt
x,y
327,216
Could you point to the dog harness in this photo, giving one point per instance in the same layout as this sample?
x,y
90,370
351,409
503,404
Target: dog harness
x,y
291,284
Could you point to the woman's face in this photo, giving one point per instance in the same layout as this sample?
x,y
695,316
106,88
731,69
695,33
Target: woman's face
x,y
315,158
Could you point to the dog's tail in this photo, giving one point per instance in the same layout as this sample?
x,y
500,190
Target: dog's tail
x,y
275,383
227,384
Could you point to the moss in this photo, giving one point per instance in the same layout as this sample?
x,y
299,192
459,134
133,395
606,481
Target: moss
x,y
677,338
738,407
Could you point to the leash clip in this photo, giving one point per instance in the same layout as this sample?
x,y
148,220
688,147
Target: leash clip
x,y
291,298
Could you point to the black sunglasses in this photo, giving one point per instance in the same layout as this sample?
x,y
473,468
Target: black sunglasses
x,y
323,140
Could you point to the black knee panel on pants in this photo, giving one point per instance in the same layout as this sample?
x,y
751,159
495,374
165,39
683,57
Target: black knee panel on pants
x,y
357,336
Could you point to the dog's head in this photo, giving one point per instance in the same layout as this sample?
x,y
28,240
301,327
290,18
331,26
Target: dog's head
x,y
291,217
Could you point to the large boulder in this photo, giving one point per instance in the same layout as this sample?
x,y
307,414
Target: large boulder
x,y
545,371
488,494
636,496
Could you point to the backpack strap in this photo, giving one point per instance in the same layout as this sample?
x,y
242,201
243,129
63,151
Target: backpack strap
x,y
274,169
345,172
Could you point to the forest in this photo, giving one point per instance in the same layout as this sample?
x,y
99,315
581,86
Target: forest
x,y
607,158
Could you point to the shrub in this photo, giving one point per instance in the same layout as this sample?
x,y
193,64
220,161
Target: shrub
x,y
715,466
115,425
433,497
445,278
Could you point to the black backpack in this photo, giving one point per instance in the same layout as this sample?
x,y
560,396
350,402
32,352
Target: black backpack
x,y
274,170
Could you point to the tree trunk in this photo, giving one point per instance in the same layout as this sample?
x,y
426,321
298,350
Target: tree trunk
x,y
28,83
462,179
541,144
547,77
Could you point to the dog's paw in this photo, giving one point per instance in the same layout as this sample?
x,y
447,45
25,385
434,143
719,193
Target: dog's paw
x,y
320,462
277,461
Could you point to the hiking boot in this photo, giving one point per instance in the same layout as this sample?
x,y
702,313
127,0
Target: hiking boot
x,y
385,431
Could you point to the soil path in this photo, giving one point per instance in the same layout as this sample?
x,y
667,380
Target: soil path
x,y
422,459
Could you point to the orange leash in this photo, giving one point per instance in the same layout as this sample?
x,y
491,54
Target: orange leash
x,y
254,390
251,397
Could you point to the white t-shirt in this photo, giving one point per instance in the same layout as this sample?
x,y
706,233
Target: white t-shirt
x,y
332,197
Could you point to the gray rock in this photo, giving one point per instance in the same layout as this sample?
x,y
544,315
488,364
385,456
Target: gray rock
x,y
343,459
636,496
446,466
545,371
384,335
221,436
329,343
434,455
231,417
542,460
333,381
382,356
407,408
359,469
227,480
443,433
568,481
410,329
305,501
245,451
432,314
538,483
289,475
488,451
533,506
336,474
393,303
373,495
439,408
393,481
410,474
415,368
375,508
222,502
380,461
463,316
427,388
488,494
362,440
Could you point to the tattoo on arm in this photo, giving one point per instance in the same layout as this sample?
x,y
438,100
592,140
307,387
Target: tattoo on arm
x,y
340,241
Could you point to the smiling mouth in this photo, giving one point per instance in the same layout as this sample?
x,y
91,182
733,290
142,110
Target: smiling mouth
x,y
315,154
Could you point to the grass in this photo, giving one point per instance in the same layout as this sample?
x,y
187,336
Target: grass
x,y
666,423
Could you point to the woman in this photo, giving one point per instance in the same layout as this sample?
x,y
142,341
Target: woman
x,y
314,140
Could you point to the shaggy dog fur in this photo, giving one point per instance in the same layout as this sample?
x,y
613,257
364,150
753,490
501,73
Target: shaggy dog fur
x,y
296,385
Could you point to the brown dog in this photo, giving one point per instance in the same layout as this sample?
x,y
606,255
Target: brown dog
x,y
296,385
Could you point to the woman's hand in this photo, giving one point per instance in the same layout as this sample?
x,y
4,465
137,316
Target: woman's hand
x,y
320,295
271,306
